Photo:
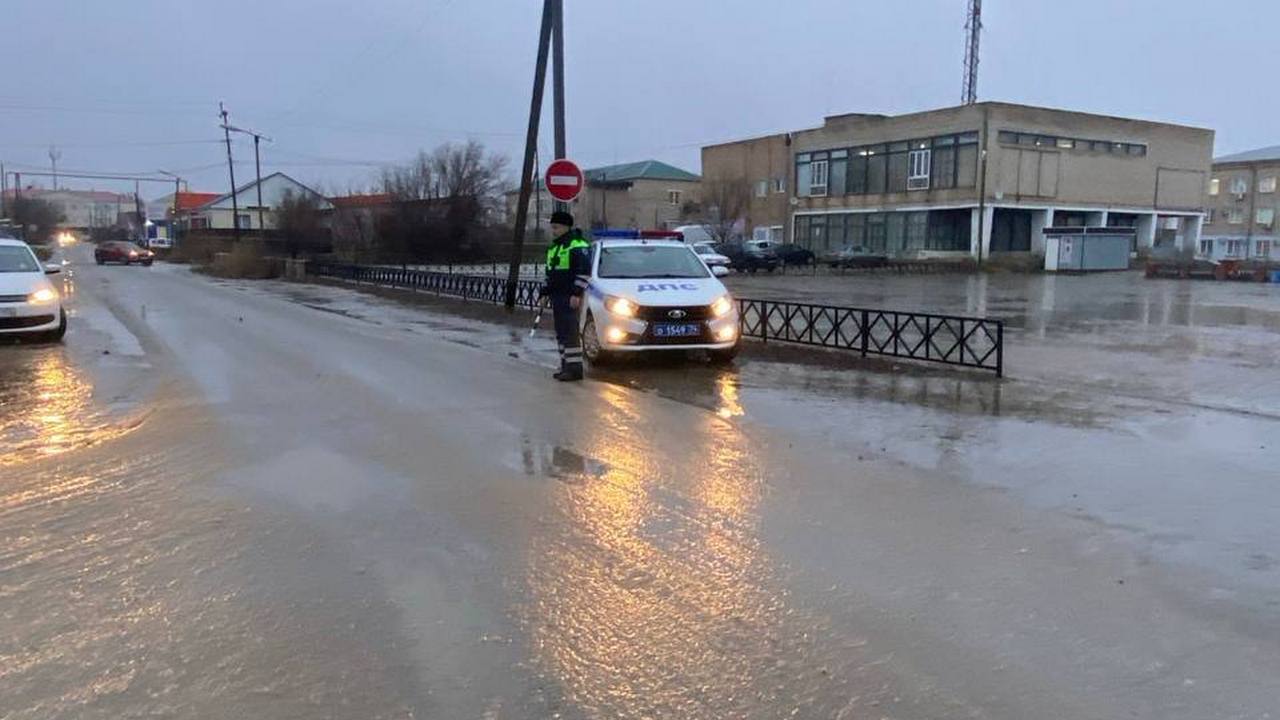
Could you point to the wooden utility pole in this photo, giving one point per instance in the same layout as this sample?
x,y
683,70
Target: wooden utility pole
x,y
231,168
530,146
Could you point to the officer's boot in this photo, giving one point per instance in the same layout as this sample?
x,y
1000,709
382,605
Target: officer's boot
x,y
570,365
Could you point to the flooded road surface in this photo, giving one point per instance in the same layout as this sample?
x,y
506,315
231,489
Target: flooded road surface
x,y
294,512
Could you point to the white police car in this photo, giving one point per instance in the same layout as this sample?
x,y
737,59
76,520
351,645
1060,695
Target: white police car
x,y
646,293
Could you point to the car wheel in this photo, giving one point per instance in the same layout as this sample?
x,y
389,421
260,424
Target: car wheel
x,y
591,350
147,263
725,356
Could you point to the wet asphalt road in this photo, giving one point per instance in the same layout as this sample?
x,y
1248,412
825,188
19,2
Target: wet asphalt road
x,y
224,501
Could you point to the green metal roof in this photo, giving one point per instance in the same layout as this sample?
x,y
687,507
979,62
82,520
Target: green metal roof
x,y
643,170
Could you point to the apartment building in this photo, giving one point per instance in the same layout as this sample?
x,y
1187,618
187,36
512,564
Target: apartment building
x,y
1240,218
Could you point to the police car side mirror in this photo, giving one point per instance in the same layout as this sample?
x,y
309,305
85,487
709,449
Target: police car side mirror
x,y
719,271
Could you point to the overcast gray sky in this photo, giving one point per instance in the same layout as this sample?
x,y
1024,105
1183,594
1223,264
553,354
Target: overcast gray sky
x,y
133,85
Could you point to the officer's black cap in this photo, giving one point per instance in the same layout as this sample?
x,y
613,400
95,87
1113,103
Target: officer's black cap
x,y
561,217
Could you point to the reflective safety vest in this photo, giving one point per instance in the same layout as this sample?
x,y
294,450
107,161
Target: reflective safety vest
x,y
558,253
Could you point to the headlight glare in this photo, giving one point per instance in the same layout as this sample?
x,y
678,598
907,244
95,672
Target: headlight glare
x,y
621,306
42,296
721,306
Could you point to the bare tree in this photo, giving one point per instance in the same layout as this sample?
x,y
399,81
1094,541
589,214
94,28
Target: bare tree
x,y
298,220
724,207
36,217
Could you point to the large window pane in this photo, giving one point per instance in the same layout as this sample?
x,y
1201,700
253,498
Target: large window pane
x,y
854,228
804,178
839,170
876,232
817,233
858,173
802,230
835,233
896,226
966,166
944,168
876,172
898,172
917,225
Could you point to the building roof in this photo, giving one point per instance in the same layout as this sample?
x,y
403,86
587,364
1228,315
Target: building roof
x,y
643,170
93,195
1259,155
193,200
362,200
273,186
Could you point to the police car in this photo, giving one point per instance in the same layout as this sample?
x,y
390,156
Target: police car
x,y
648,291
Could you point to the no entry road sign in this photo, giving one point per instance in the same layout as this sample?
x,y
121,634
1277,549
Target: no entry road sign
x,y
564,180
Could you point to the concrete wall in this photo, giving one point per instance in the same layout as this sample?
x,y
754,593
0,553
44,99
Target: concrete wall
x,y
765,159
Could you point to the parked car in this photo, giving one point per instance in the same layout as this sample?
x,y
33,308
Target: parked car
x,y
652,295
750,255
718,263
29,303
123,252
854,256
792,254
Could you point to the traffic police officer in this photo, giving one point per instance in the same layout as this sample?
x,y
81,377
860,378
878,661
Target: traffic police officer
x,y
568,270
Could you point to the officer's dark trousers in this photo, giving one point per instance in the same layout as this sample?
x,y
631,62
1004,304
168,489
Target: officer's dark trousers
x,y
566,319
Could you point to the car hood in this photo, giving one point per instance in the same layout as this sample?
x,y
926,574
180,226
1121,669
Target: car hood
x,y
662,291
12,283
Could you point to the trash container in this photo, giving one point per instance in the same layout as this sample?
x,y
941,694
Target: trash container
x,y
1275,276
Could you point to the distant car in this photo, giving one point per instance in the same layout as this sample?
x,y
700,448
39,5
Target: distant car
x,y
29,303
792,254
123,252
854,256
718,263
750,255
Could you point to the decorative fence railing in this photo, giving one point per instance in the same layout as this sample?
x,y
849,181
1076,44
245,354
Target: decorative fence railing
x,y
947,339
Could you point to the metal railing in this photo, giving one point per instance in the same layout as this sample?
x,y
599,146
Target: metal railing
x,y
947,339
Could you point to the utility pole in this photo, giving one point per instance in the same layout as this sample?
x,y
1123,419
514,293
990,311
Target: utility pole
x,y
557,82
973,28
54,156
530,146
257,171
173,219
235,207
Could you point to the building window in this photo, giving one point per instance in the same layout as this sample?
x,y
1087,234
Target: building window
x,y
1235,248
1235,216
243,220
199,223
943,163
1239,186
779,185
1265,217
762,188
673,197
818,183
877,170
1262,248
918,170
898,168
839,172
1267,184
1206,247
1214,186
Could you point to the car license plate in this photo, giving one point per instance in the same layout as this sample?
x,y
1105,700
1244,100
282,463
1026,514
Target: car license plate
x,y
669,330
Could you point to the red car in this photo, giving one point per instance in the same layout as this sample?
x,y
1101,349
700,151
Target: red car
x,y
123,252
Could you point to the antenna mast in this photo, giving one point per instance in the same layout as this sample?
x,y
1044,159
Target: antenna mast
x,y
973,30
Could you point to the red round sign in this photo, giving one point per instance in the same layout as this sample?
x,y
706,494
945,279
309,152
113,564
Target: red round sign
x,y
564,180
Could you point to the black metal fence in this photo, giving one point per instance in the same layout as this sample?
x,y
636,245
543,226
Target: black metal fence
x,y
947,339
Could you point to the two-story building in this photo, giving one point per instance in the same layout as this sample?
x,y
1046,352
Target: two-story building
x,y
1240,220
978,179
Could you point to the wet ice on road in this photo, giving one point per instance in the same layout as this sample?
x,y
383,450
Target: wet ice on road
x,y
273,500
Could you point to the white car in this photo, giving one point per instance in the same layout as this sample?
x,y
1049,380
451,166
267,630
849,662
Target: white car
x,y
718,263
29,303
652,295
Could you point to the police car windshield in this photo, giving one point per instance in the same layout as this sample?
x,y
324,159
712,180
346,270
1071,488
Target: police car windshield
x,y
17,259
652,261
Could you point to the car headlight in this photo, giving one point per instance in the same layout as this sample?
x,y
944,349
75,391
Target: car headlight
x,y
721,306
42,296
620,306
